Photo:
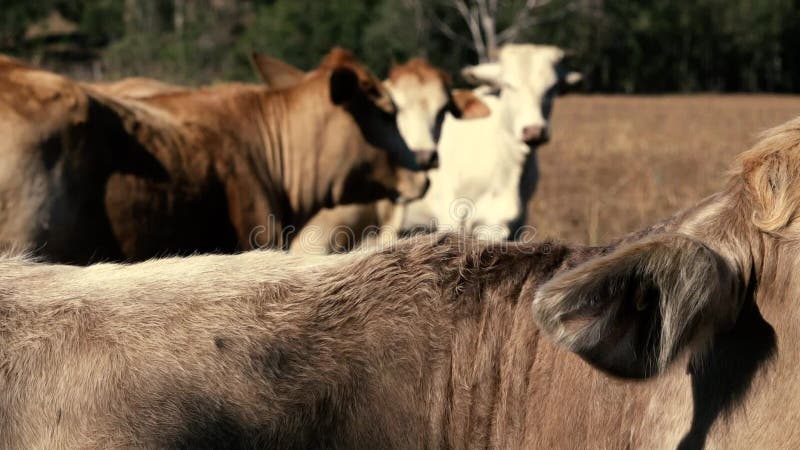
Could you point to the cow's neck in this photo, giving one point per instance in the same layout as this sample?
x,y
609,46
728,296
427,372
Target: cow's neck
x,y
498,373
287,131
306,171
518,390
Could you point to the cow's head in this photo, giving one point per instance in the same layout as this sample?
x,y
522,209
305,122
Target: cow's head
x,y
422,96
363,147
633,311
528,78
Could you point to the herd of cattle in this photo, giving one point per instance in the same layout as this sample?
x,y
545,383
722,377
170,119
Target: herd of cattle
x,y
441,340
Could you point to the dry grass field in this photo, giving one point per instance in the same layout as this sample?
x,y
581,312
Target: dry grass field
x,y
616,164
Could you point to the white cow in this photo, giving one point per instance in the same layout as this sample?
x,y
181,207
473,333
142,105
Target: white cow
x,y
488,169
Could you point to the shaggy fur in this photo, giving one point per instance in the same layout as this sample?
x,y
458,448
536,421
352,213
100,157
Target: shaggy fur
x,y
429,344
268,350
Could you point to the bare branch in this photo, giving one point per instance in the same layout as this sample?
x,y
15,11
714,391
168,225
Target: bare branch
x,y
523,19
471,17
480,17
448,31
493,8
422,26
487,19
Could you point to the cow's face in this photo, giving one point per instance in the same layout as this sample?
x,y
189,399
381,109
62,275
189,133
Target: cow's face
x,y
528,77
384,160
421,94
633,311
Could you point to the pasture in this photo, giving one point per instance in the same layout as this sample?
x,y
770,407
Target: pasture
x,y
616,164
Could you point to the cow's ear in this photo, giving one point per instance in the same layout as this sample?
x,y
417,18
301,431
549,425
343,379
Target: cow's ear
x,y
633,311
486,73
568,81
572,78
344,85
275,73
467,105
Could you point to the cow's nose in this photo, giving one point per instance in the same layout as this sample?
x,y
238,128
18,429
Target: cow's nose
x,y
427,159
534,134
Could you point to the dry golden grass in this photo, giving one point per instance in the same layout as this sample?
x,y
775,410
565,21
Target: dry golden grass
x,y
616,164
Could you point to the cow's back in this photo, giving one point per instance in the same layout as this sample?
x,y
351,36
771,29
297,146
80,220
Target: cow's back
x,y
58,147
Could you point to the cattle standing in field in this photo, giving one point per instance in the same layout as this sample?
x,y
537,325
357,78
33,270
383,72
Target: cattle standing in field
x,y
488,168
433,343
89,176
423,97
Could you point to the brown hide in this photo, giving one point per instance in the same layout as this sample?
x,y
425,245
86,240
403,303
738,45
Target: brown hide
x,y
224,168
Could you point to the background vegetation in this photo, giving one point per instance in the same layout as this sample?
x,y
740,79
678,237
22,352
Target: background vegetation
x,y
628,46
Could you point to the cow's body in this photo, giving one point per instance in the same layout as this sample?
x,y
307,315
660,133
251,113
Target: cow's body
x,y
225,168
269,350
478,187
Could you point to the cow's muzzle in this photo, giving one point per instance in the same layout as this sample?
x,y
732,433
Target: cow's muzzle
x,y
535,134
427,159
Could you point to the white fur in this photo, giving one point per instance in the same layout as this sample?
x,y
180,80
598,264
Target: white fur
x,y
477,187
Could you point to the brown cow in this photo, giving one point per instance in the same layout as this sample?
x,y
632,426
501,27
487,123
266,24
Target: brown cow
x,y
430,344
89,176
423,96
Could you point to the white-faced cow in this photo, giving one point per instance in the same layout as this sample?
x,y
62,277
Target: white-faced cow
x,y
91,176
423,97
433,343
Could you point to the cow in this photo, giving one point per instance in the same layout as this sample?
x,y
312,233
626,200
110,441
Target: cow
x,y
488,167
440,341
90,176
423,97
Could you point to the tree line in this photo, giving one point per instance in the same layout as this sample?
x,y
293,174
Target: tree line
x,y
625,46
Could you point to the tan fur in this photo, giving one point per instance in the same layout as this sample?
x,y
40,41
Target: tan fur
x,y
267,350
770,169
136,87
